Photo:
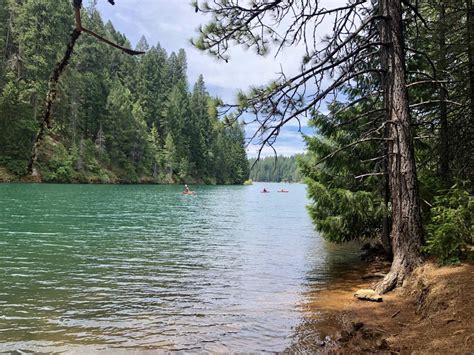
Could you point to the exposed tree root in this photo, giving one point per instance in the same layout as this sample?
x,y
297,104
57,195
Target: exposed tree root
x,y
401,268
388,283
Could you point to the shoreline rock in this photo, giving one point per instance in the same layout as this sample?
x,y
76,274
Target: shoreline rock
x,y
368,295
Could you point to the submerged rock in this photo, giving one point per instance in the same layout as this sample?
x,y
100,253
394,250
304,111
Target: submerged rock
x,y
368,295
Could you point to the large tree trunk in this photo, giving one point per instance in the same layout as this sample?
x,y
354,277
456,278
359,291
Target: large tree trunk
x,y
406,223
386,242
444,152
470,48
385,237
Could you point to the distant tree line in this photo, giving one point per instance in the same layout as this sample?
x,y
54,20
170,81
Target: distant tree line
x,y
275,169
117,118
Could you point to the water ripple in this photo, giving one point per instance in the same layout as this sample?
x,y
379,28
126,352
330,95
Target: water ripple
x,y
86,268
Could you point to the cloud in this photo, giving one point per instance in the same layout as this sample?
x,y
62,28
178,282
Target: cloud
x,y
174,22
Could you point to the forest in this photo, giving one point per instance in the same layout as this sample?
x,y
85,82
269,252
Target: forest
x,y
276,169
116,118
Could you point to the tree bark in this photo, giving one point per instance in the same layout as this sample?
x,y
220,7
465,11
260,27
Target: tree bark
x,y
470,48
444,152
385,237
406,232
386,242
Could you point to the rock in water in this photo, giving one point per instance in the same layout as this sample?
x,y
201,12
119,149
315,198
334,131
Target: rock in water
x,y
368,295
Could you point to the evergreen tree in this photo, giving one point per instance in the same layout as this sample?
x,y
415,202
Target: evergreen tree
x,y
276,169
199,128
115,117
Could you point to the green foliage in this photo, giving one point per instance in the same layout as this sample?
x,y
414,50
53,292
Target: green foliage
x,y
342,215
450,232
17,127
117,118
60,167
344,206
279,169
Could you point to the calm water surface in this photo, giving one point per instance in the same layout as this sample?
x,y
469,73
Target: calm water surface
x,y
91,267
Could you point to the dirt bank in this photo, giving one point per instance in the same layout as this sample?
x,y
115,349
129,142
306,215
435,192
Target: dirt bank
x,y
433,313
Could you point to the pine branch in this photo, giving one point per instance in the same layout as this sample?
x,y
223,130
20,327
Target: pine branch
x,y
115,45
332,154
369,174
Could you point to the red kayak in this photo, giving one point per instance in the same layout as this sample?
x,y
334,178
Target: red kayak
x,y
283,190
187,193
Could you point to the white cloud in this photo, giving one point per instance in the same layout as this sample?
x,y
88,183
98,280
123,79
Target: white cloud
x,y
174,22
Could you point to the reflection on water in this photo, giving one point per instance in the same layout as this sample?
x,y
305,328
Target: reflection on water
x,y
144,267
324,298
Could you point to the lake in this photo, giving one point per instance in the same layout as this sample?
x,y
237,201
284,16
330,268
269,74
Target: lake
x,y
143,267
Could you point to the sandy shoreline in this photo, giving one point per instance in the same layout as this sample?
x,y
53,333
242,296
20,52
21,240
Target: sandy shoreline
x,y
432,313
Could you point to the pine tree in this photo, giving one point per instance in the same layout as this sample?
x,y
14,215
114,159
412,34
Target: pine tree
x,y
199,128
116,117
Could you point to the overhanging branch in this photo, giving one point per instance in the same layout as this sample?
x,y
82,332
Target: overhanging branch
x,y
45,120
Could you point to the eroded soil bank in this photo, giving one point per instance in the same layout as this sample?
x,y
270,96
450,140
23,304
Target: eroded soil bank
x,y
432,313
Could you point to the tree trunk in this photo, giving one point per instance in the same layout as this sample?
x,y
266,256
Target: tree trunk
x,y
470,48
385,237
444,153
386,242
406,223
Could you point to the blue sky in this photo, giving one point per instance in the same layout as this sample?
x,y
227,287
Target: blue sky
x,y
173,22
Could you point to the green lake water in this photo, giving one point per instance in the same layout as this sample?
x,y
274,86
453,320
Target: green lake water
x,y
137,267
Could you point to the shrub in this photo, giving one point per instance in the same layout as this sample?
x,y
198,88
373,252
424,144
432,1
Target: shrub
x,y
449,234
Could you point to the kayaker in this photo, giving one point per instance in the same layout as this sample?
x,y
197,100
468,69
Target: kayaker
x,y
186,189
265,189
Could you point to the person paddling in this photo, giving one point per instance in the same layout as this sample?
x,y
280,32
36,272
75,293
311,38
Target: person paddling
x,y
186,189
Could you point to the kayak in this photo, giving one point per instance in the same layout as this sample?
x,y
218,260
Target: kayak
x,y
187,193
264,192
282,190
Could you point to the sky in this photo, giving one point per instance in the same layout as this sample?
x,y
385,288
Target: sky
x,y
173,23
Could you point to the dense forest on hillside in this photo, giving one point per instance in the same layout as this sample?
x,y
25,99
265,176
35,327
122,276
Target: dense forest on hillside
x,y
117,118
275,169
